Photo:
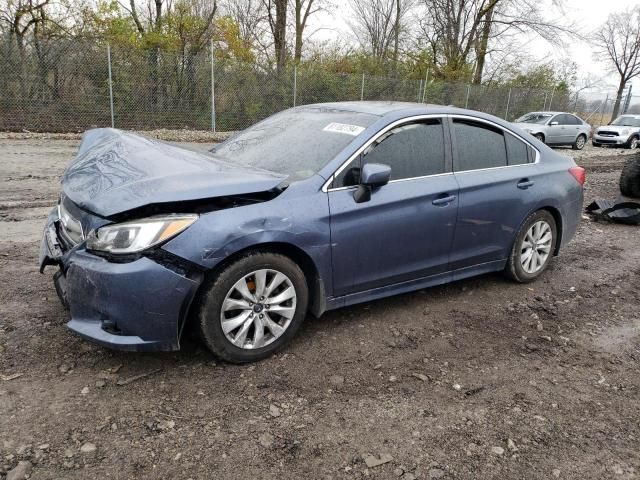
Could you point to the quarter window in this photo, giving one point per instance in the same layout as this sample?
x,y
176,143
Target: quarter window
x,y
411,150
478,145
518,152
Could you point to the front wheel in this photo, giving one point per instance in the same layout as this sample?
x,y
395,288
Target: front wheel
x,y
540,137
253,307
633,142
580,142
533,247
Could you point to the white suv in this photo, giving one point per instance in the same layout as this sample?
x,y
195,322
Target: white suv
x,y
623,132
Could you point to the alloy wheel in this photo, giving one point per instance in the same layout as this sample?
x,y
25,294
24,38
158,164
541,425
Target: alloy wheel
x,y
536,247
258,309
634,143
580,142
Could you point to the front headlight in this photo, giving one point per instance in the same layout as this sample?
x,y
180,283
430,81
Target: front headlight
x,y
626,131
138,235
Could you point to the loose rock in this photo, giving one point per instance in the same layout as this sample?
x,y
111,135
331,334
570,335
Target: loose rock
x,y
88,447
274,411
372,461
266,440
497,450
336,380
20,472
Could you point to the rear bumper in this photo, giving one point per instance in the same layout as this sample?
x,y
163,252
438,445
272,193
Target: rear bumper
x,y
135,306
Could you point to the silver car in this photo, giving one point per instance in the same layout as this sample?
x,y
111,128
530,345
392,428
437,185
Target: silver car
x,y
624,131
556,128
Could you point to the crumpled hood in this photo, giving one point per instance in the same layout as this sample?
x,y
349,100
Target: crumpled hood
x,y
116,171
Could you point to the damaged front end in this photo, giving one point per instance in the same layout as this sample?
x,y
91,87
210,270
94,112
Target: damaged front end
x,y
122,201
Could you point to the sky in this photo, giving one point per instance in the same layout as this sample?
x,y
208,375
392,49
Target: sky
x,y
587,15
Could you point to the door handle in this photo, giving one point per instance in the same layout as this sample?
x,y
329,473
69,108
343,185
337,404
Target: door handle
x,y
525,183
444,201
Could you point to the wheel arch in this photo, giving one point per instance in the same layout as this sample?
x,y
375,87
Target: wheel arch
x,y
317,295
557,216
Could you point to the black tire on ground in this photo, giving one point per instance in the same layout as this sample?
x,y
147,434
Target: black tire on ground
x,y
540,137
632,144
630,178
596,144
580,142
514,269
209,310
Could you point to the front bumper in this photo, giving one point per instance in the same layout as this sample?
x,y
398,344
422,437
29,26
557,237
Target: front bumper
x,y
137,306
610,140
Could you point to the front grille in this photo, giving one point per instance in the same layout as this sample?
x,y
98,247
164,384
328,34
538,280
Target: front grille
x,y
606,133
70,228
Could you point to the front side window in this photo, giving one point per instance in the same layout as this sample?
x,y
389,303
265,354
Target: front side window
x,y
479,145
412,150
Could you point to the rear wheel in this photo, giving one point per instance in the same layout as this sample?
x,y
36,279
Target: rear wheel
x,y
533,247
253,307
580,142
630,178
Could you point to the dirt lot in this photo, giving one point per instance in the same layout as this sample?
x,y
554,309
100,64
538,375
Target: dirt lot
x,y
479,379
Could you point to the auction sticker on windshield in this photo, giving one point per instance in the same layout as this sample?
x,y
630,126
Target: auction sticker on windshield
x,y
344,128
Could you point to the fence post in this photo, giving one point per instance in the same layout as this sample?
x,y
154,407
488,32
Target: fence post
x,y
362,88
575,105
466,103
506,115
420,91
213,91
426,81
603,108
113,124
295,84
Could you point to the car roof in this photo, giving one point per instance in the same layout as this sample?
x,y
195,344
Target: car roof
x,y
383,108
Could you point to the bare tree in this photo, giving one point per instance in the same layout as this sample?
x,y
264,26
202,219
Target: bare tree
x,y
378,25
459,33
618,41
277,17
303,9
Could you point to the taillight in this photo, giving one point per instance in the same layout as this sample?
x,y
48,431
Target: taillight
x,y
579,174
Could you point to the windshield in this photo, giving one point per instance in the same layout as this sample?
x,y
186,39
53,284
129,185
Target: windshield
x,y
296,142
627,122
534,118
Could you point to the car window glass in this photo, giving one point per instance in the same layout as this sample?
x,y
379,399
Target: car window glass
x,y
411,150
575,120
478,145
557,118
517,151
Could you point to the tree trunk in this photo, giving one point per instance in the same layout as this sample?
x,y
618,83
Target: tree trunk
x,y
481,50
616,106
279,34
396,37
297,56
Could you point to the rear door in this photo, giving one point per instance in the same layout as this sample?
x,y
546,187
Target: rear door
x,y
405,230
497,178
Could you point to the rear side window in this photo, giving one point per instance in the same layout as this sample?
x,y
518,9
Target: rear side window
x,y
574,120
478,145
411,150
518,152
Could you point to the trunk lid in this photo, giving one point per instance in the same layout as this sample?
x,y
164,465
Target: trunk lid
x,y
116,171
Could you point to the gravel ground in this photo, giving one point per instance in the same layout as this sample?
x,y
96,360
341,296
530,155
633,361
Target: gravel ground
x,y
479,379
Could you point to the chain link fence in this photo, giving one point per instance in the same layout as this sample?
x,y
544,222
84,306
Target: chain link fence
x,y
72,85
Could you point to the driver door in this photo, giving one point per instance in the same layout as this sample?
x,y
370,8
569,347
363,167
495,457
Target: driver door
x,y
405,231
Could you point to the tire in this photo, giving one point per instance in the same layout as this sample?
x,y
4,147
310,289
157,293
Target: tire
x,y
630,178
580,142
596,144
540,137
516,267
633,143
222,291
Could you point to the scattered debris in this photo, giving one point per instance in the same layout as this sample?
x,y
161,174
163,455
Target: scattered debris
x,y
266,440
274,411
127,381
12,376
336,380
420,376
511,445
457,387
372,461
88,447
620,210
497,450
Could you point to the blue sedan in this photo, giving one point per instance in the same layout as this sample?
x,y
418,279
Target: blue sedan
x,y
312,209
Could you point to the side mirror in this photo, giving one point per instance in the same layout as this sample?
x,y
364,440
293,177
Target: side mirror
x,y
553,124
374,175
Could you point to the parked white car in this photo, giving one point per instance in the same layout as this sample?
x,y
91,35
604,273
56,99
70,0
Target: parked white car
x,y
624,131
556,128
